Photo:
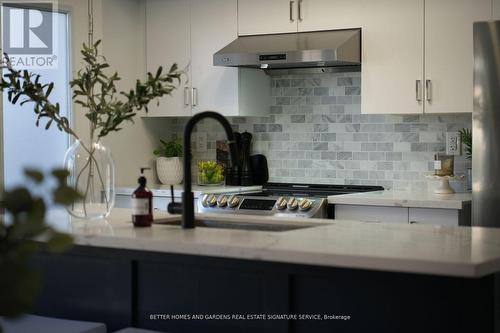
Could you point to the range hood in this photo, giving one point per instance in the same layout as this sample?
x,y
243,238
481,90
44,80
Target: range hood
x,y
294,50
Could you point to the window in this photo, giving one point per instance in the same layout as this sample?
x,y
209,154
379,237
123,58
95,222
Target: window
x,y
24,144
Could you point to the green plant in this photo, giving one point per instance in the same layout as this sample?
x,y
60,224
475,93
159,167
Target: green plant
x,y
105,107
210,172
171,148
20,227
466,138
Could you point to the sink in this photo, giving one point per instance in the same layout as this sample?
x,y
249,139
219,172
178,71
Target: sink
x,y
272,227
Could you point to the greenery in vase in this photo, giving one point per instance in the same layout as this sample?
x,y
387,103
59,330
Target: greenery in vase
x,y
210,172
171,148
25,213
466,138
105,108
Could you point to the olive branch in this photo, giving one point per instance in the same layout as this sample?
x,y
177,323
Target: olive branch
x,y
94,90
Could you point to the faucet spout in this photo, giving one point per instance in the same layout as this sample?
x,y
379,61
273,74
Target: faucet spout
x,y
187,195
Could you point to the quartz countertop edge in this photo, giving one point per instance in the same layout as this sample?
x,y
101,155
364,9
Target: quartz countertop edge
x,y
164,190
412,199
269,254
421,249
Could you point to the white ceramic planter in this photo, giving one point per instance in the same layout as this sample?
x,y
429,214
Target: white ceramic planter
x,y
169,170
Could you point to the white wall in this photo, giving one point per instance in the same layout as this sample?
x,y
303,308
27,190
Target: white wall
x,y
125,49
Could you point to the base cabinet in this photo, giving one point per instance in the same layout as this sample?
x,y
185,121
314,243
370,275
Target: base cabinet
x,y
371,214
404,215
450,217
128,288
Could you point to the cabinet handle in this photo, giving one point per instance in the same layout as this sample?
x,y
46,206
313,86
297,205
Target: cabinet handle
x,y
291,11
300,10
428,90
194,96
418,90
186,96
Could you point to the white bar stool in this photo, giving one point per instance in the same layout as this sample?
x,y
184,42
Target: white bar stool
x,y
38,324
132,330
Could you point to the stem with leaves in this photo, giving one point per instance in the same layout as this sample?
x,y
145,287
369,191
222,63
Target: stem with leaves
x,y
105,108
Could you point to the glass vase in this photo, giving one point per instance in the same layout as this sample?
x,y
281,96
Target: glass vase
x,y
92,174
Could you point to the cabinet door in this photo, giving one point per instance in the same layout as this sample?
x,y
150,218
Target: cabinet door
x,y
213,26
448,217
449,53
168,42
495,15
257,17
375,214
392,56
316,15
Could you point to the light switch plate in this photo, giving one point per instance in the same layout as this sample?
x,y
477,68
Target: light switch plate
x,y
453,143
201,141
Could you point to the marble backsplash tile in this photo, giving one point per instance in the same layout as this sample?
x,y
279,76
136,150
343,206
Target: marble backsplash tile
x,y
315,133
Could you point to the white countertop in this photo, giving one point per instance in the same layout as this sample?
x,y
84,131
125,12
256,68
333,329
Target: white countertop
x,y
437,250
403,199
164,190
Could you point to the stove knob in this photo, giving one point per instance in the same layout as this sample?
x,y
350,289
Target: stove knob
x,y
233,201
281,203
204,201
222,200
212,200
305,204
292,203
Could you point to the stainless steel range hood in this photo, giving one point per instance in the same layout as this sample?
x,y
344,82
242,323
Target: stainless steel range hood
x,y
295,50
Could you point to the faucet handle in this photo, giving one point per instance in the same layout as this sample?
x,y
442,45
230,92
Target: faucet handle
x,y
172,193
174,207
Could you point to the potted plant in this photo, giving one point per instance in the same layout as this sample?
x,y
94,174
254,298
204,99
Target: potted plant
x,y
169,162
89,160
466,138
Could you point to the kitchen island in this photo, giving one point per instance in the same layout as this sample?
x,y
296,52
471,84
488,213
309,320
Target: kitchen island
x,y
385,278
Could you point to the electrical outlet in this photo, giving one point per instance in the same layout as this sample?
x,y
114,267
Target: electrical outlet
x,y
201,141
452,143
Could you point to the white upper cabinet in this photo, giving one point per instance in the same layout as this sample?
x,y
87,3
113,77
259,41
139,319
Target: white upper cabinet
x,y
168,42
449,53
417,55
257,17
214,87
314,15
392,56
189,32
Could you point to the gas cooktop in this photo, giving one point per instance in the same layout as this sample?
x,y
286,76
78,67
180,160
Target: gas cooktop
x,y
315,190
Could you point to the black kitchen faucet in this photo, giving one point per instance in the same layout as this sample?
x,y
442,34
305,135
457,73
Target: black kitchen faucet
x,y
186,208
